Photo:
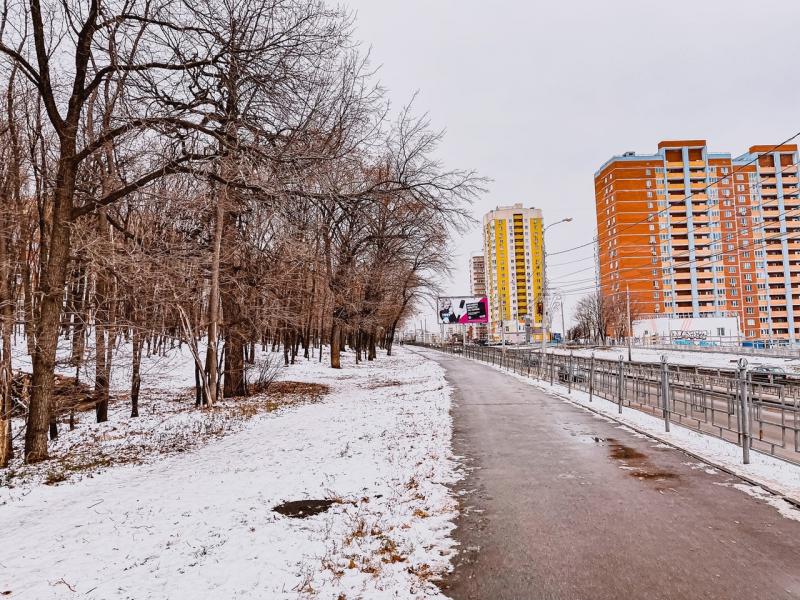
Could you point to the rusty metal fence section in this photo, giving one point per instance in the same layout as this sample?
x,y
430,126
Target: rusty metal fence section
x,y
711,401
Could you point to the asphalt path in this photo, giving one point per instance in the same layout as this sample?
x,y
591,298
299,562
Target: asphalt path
x,y
559,503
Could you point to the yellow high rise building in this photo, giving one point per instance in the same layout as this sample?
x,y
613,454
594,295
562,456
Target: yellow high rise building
x,y
513,252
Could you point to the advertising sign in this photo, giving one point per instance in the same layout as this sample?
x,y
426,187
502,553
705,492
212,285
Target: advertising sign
x,y
463,309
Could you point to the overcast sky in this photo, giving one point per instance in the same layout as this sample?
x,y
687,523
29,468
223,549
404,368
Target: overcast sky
x,y
537,95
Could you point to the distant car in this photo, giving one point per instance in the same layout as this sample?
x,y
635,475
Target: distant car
x,y
767,374
574,373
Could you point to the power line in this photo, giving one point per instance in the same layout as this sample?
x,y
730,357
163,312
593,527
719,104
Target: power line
x,y
733,172
761,205
706,261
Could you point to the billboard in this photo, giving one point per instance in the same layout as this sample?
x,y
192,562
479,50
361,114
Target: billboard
x,y
463,310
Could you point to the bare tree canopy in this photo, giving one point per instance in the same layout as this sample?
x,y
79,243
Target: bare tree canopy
x,y
216,171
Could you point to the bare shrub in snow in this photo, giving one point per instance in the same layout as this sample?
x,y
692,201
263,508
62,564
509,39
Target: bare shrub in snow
x,y
265,372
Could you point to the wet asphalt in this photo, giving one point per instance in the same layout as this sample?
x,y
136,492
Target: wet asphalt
x,y
560,504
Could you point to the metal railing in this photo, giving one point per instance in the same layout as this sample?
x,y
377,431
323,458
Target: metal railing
x,y
771,352
711,401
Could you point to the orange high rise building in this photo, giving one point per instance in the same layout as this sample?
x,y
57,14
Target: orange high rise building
x,y
697,234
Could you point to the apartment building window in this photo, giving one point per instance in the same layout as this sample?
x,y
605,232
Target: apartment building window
x,y
748,277
734,303
748,299
655,295
748,288
750,311
731,269
647,172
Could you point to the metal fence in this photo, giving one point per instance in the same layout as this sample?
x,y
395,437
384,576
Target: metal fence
x,y
711,401
772,352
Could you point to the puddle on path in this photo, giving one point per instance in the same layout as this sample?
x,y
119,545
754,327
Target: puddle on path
x,y
634,462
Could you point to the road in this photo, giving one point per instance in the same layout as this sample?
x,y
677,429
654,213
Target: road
x,y
561,504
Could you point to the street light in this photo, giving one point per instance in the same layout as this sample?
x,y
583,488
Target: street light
x,y
544,284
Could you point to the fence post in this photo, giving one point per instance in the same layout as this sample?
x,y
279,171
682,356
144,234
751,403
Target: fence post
x,y
665,390
591,377
743,408
569,373
551,369
530,355
620,385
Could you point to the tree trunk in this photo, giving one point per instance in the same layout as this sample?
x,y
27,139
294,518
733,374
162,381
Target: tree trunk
x,y
51,291
101,327
136,379
6,327
79,318
214,307
235,384
372,352
336,341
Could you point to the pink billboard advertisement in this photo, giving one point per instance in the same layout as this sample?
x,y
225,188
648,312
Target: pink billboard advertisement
x,y
463,310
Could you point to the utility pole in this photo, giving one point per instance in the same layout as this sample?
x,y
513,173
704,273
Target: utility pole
x,y
563,327
544,282
502,324
630,325
544,313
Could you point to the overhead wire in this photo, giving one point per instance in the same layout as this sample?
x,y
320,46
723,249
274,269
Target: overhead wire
x,y
734,171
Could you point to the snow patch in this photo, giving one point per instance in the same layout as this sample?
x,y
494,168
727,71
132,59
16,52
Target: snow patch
x,y
201,524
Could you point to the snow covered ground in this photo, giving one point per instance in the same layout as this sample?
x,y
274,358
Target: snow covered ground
x,y
722,360
199,522
171,370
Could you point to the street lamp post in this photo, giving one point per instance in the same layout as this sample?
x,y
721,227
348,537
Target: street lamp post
x,y
544,284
